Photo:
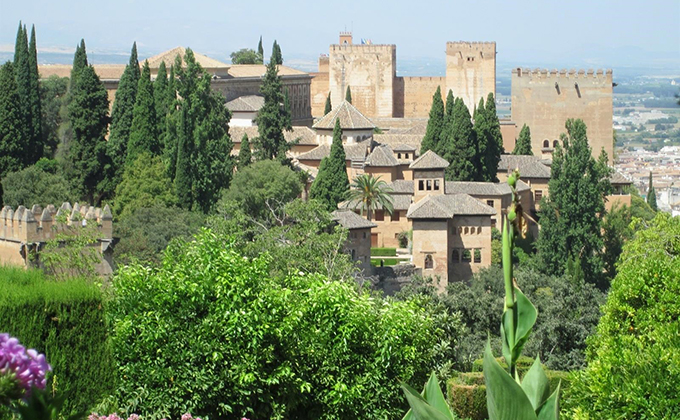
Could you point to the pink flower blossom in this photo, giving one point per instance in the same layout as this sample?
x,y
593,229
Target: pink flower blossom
x,y
28,366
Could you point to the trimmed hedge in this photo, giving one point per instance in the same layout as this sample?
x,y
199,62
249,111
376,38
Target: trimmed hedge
x,y
523,364
383,252
64,320
386,261
467,393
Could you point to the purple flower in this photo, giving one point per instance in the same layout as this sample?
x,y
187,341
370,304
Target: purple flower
x,y
28,366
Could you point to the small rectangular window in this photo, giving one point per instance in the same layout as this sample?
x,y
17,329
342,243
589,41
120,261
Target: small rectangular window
x,y
421,185
478,256
489,203
429,184
364,235
467,256
436,185
538,195
493,223
395,216
379,215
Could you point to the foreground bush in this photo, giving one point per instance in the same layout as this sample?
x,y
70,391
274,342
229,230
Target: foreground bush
x,y
64,320
634,359
212,333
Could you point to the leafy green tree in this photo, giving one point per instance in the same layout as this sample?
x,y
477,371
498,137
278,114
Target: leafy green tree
x,y
144,130
13,140
32,185
571,215
328,107
260,51
651,194
53,91
245,56
638,206
615,232
22,69
145,232
205,293
271,119
370,193
348,95
144,184
332,184
160,93
631,372
523,145
458,145
121,117
276,57
435,124
245,157
88,112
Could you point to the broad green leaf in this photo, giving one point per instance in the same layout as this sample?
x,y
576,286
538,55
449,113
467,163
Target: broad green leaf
x,y
526,318
420,408
550,410
507,353
505,399
434,396
535,384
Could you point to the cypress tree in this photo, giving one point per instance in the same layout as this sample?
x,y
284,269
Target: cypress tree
x,y
435,123
348,95
34,100
22,70
244,155
183,174
332,184
160,88
260,51
489,140
651,194
171,124
276,57
79,61
144,129
523,145
88,112
459,145
13,141
448,112
121,116
271,119
329,107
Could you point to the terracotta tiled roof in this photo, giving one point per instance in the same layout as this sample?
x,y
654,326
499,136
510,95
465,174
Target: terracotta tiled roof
x,y
306,135
352,152
258,70
356,151
401,186
429,160
447,206
618,179
396,140
350,119
246,103
350,220
169,58
399,202
477,188
104,71
382,156
529,166
404,148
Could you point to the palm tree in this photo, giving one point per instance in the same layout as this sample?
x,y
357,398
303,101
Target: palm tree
x,y
370,193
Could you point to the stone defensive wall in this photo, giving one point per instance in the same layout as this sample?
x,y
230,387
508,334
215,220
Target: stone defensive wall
x,y
598,75
454,46
413,95
363,48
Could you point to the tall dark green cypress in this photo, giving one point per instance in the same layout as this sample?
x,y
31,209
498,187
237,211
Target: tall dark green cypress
x,y
260,51
37,143
22,69
489,140
328,107
13,141
448,111
171,123
244,154
435,123
271,119
523,145
332,184
79,61
88,112
276,57
121,116
144,129
496,134
183,176
651,194
348,95
459,145
160,88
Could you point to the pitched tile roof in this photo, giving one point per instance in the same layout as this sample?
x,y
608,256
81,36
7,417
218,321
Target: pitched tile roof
x,y
350,118
350,220
258,70
404,148
618,179
529,166
399,202
352,152
306,135
317,153
169,58
395,140
477,188
249,103
104,71
447,206
429,160
382,156
401,186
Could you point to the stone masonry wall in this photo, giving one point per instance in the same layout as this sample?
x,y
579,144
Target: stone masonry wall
x,y
471,70
413,95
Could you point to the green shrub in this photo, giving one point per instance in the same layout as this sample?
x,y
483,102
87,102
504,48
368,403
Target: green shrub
x,y
213,333
386,261
383,252
523,364
633,370
64,320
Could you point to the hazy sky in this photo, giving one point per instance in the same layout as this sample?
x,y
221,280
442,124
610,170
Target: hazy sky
x,y
601,33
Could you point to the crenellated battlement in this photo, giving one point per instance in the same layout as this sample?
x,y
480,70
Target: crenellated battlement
x,y
363,48
36,224
599,74
482,46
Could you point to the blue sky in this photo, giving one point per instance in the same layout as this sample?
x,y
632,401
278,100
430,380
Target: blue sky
x,y
577,32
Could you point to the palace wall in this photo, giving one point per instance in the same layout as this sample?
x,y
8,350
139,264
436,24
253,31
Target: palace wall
x,y
471,70
413,95
544,100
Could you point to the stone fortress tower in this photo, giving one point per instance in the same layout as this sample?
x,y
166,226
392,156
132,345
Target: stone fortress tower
x,y
471,70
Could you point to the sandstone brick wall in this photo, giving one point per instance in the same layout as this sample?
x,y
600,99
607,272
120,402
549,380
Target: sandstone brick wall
x,y
319,91
430,238
389,228
544,100
413,95
471,70
369,70
469,233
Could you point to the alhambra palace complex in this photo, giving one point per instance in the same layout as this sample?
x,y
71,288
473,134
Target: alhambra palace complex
x,y
451,221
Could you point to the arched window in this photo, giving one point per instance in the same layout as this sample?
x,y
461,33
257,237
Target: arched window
x,y
429,262
555,143
455,256
467,230
546,144
398,155
479,230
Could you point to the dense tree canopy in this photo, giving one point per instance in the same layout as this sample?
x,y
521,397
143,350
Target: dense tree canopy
x,y
53,91
162,105
523,145
459,145
332,184
489,140
271,119
435,124
144,184
13,139
32,185
245,56
245,156
144,136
